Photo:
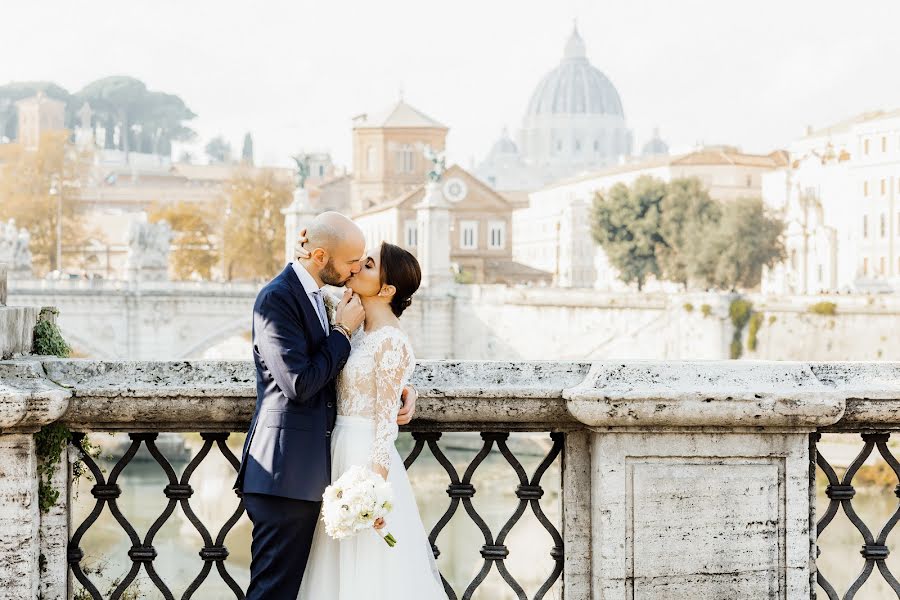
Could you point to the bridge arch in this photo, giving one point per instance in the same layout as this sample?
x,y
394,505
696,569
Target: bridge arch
x,y
220,334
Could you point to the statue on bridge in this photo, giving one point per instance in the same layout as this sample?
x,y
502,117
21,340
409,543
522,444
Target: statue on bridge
x,y
302,174
15,250
438,164
148,250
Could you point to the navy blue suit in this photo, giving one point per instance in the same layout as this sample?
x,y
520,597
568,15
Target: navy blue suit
x,y
286,461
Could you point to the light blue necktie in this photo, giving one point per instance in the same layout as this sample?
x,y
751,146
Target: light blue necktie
x,y
320,309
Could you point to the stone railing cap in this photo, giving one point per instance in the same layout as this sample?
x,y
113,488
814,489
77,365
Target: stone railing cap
x,y
28,400
704,394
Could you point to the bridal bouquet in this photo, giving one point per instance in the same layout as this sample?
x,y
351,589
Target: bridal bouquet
x,y
354,502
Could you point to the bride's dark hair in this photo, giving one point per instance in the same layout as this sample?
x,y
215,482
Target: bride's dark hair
x,y
400,269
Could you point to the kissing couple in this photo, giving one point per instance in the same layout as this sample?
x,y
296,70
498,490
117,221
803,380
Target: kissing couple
x,y
331,391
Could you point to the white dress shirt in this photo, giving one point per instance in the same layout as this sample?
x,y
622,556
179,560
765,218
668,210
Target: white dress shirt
x,y
310,287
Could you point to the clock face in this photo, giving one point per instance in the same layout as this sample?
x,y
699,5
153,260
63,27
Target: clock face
x,y
455,189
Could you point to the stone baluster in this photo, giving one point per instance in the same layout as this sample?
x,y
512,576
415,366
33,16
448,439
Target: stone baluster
x,y
701,477
27,402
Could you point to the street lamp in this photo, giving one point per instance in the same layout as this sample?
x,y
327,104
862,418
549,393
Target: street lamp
x,y
56,190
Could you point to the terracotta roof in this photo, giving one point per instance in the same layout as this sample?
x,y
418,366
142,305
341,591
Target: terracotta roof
x,y
847,124
400,114
511,272
710,156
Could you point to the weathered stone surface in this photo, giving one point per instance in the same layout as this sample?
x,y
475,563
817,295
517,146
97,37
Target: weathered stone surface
x,y
205,395
19,518
871,389
700,516
17,330
576,515
54,537
704,394
28,399
495,391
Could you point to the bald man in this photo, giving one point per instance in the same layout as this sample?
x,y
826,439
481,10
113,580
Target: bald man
x,y
286,461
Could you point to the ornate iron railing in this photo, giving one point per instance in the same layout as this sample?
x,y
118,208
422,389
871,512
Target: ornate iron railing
x,y
840,492
142,553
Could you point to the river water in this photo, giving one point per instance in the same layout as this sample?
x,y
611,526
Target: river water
x,y
106,545
178,543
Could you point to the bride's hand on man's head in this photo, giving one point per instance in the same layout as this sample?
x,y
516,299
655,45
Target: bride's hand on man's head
x,y
299,250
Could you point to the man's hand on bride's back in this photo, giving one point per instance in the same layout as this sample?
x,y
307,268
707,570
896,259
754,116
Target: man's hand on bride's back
x,y
408,397
350,312
299,250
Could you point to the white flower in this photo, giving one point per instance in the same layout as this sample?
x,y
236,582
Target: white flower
x,y
354,502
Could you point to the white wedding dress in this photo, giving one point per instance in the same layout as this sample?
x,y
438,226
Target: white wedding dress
x,y
364,567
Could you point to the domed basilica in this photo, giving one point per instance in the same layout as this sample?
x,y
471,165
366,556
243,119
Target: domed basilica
x,y
573,123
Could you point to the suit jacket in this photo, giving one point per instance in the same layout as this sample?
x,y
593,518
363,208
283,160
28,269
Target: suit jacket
x,y
287,450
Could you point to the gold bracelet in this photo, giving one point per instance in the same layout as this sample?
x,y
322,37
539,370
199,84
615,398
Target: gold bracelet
x,y
343,330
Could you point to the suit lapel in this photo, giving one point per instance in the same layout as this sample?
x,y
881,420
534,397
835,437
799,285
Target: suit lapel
x,y
312,322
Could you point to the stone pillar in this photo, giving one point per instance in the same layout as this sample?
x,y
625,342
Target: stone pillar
x,y
433,251
296,217
16,324
701,477
27,401
435,295
576,515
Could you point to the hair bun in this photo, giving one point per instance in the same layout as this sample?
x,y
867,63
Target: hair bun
x,y
406,303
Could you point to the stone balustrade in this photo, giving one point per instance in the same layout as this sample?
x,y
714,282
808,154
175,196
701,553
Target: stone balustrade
x,y
680,479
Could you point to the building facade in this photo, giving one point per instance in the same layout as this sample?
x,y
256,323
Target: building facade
x,y
840,196
554,232
388,156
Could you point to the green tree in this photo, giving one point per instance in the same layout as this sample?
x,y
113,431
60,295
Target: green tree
x,y
195,225
686,213
218,150
734,251
147,121
254,226
34,185
247,150
626,224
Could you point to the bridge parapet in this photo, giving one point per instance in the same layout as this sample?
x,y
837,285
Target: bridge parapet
x,y
668,469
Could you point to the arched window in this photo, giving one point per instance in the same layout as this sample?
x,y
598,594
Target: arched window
x,y
370,159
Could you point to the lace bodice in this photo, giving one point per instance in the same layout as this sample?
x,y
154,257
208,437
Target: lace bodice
x,y
370,384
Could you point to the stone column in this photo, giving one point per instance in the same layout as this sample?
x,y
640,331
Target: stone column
x,y
433,251
296,216
27,402
701,477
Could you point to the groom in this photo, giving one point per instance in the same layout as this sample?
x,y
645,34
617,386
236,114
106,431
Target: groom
x,y
286,461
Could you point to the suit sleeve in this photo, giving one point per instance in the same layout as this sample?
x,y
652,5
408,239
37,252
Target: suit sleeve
x,y
284,347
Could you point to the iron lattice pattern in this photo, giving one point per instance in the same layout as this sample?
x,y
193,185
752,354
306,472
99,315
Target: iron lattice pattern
x,y
461,490
840,493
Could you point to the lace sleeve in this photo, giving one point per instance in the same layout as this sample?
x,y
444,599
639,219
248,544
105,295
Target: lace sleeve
x,y
392,361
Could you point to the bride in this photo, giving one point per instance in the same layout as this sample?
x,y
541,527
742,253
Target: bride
x,y
368,398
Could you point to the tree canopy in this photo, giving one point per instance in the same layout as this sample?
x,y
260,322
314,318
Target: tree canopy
x,y
675,232
133,117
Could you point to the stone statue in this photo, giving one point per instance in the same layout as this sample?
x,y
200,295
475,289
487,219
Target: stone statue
x,y
302,161
84,115
148,249
15,248
438,164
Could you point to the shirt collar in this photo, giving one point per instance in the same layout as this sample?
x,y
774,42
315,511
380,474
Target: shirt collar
x,y
306,280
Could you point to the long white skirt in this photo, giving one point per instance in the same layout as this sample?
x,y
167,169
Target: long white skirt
x,y
364,566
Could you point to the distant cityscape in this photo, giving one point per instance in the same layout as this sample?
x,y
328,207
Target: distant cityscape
x,y
519,216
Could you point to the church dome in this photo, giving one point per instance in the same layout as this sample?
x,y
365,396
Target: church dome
x,y
575,87
504,146
655,146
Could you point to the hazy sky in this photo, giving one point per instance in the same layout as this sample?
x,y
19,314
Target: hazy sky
x,y
294,72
